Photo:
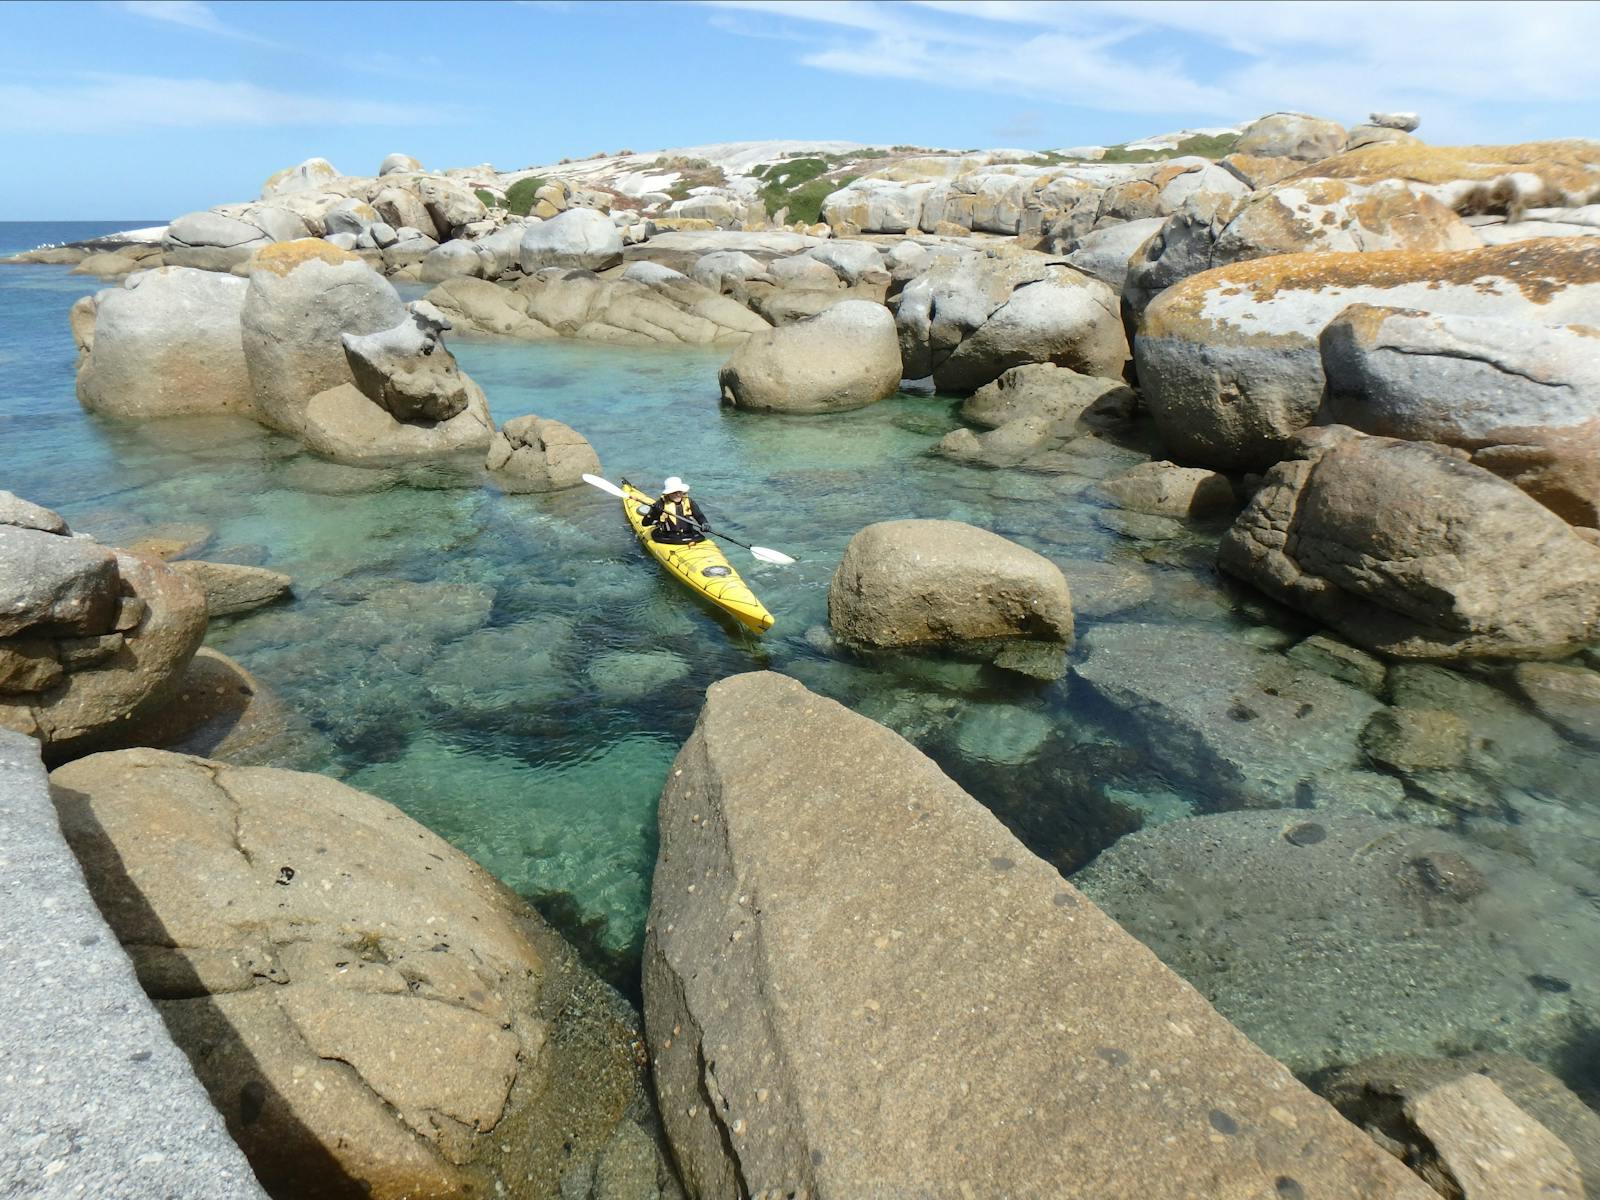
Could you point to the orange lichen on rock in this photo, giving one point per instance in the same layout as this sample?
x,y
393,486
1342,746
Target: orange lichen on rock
x,y
1571,166
1540,269
283,257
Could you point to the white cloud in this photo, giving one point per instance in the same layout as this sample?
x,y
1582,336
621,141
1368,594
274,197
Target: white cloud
x,y
117,103
190,13
1228,59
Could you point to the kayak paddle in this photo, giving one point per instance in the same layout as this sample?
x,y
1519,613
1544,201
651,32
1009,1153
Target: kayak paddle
x,y
761,553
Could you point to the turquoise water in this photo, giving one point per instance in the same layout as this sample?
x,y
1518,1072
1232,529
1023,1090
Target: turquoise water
x,y
514,673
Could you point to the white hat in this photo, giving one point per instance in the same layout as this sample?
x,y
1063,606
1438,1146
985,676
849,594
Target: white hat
x,y
674,484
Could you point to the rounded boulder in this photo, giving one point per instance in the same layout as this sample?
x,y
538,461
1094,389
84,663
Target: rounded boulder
x,y
847,356
167,343
919,582
579,238
371,1012
534,454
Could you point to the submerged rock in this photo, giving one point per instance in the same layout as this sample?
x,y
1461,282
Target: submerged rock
x,y
861,905
1332,936
1234,721
1412,552
1567,696
844,357
911,583
625,675
1338,658
294,931
536,454
1164,489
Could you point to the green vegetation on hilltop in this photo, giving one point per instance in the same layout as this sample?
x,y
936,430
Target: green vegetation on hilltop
x,y
522,195
802,184
490,200
1212,146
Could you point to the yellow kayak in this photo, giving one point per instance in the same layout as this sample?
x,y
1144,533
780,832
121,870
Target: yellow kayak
x,y
701,566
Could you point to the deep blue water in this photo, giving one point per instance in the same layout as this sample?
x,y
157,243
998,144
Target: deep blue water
x,y
512,671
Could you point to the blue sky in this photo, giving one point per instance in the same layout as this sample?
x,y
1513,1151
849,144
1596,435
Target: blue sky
x,y
152,108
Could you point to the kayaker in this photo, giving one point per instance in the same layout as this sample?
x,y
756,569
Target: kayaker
x,y
670,516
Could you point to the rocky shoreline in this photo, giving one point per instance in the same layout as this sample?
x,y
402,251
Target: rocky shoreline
x,y
1366,363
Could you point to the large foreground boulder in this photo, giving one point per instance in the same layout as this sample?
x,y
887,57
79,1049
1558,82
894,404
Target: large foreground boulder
x,y
166,343
965,323
369,1010
1411,551
1524,399
1229,360
536,454
911,583
858,983
91,638
845,357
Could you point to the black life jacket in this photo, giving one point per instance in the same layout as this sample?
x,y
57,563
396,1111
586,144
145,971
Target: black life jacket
x,y
670,526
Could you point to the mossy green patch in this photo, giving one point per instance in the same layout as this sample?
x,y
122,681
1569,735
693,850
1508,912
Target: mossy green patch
x,y
522,195
801,185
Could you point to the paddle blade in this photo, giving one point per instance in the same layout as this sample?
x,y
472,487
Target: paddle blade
x,y
768,555
605,485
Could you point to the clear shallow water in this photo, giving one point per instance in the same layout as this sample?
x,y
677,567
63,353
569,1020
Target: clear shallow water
x,y
514,673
